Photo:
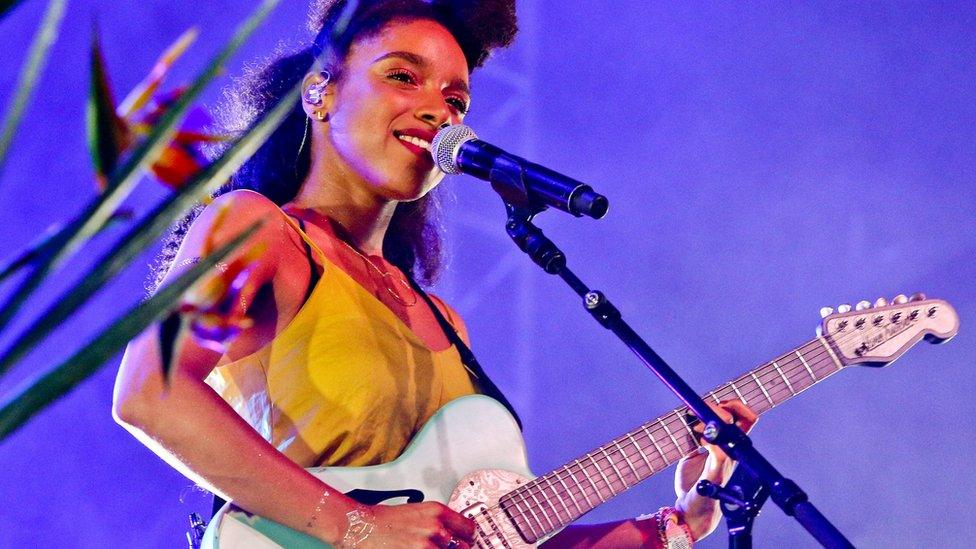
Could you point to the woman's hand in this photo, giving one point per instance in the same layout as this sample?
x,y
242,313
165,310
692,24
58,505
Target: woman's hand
x,y
427,525
702,514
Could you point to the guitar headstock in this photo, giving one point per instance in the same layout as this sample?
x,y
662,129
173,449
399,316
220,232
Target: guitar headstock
x,y
877,334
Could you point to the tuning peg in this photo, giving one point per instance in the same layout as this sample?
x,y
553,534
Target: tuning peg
x,y
880,302
900,299
918,296
826,311
863,304
844,308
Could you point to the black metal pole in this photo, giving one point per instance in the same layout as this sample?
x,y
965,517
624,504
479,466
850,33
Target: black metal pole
x,y
784,492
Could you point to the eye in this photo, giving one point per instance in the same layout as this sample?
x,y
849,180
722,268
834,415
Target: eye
x,y
459,104
401,75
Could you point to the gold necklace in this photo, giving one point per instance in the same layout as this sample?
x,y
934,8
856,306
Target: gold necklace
x,y
388,279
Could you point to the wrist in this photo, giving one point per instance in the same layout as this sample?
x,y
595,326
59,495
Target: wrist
x,y
670,529
360,524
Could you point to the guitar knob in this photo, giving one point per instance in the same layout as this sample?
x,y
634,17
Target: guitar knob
x,y
881,302
918,296
900,299
844,308
826,311
863,304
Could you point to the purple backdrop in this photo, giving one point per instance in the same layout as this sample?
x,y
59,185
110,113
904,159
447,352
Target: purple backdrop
x,y
762,161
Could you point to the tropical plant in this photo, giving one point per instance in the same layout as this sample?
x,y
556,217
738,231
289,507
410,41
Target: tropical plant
x,y
141,134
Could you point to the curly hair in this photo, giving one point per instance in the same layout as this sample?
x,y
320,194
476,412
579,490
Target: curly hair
x,y
278,168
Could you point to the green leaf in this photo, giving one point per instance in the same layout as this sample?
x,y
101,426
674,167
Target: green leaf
x,y
41,244
147,231
7,6
108,135
100,210
42,391
47,34
170,331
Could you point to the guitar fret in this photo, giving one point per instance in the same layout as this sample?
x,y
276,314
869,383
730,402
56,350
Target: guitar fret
x,y
583,490
641,452
654,442
572,498
687,428
788,385
831,351
761,388
629,463
737,393
605,479
541,511
521,508
712,394
805,365
555,492
668,431
615,470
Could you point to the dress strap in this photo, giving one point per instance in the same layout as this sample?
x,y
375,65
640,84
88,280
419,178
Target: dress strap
x,y
467,356
299,227
314,275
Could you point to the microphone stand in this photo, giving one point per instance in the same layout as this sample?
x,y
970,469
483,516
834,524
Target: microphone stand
x,y
543,252
740,500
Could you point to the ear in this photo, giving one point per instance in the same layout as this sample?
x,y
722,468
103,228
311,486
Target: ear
x,y
318,93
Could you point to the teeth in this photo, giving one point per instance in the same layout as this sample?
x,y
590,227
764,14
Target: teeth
x,y
415,141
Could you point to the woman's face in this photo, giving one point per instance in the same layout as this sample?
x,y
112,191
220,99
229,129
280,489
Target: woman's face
x,y
397,89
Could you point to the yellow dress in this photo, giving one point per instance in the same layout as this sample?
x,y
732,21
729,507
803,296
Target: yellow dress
x,y
346,382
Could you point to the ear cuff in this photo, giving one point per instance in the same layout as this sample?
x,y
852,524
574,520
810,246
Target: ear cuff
x,y
314,93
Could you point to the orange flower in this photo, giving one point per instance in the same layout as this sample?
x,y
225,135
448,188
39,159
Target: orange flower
x,y
215,309
114,129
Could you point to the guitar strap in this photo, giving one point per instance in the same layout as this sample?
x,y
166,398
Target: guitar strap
x,y
488,387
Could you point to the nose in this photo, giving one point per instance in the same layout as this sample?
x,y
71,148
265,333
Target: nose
x,y
435,111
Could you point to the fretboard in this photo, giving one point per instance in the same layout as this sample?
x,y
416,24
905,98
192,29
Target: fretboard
x,y
555,500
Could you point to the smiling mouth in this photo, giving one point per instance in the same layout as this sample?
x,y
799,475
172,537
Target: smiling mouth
x,y
415,141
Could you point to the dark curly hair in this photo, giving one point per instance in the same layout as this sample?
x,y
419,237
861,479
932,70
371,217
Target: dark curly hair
x,y
279,167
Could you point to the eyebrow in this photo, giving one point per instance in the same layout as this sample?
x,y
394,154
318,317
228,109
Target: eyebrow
x,y
423,63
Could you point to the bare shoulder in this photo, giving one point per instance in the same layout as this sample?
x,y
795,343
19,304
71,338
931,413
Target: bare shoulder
x,y
227,217
238,210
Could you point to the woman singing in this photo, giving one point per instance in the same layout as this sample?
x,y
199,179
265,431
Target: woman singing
x,y
346,357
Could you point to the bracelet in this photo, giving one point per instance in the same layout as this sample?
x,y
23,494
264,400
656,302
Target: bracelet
x,y
672,532
361,525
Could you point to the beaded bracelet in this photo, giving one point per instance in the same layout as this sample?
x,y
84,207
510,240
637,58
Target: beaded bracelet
x,y
672,532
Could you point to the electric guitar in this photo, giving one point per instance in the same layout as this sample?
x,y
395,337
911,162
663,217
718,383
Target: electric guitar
x,y
471,456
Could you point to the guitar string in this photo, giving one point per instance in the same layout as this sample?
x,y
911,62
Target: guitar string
x,y
673,420
670,419
676,422
793,366
789,368
673,454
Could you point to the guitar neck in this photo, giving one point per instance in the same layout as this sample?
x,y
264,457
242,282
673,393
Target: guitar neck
x,y
554,500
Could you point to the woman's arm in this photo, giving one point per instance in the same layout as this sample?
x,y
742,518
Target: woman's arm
x,y
699,514
186,423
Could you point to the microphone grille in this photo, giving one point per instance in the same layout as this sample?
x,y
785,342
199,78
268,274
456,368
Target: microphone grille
x,y
444,148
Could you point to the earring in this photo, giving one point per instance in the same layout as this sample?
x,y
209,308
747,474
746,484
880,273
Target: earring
x,y
314,92
320,115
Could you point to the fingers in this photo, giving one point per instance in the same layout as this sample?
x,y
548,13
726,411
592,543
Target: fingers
x,y
460,526
744,417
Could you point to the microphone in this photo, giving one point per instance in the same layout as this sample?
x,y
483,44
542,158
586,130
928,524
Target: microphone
x,y
456,149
